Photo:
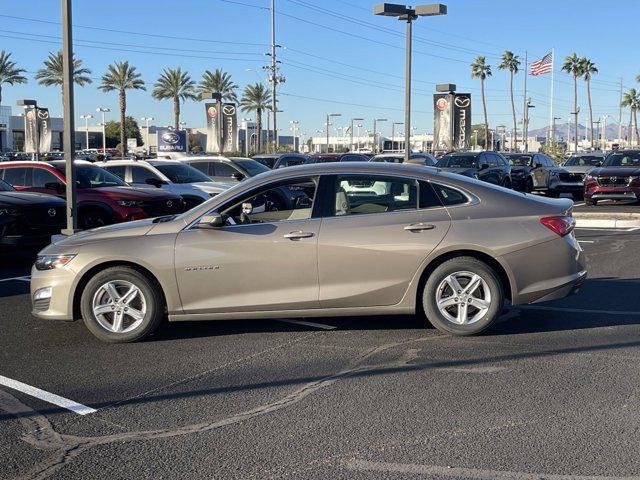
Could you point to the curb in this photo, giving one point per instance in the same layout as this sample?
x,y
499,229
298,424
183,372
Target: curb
x,y
622,220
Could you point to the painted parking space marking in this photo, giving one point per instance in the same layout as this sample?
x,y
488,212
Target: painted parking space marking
x,y
578,310
46,396
309,324
25,278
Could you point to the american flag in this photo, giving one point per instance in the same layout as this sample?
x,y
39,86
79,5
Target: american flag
x,y
544,65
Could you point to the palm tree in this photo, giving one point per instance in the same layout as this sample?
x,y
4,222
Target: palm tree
x,y
256,98
177,85
51,74
121,76
573,65
9,73
588,69
631,99
511,62
218,81
479,69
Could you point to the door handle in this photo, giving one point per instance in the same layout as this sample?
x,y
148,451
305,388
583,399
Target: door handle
x,y
419,227
298,235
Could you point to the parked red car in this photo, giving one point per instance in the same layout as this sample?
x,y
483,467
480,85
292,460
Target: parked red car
x,y
617,179
103,198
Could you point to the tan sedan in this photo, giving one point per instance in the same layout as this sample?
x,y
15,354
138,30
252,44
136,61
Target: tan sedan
x,y
356,239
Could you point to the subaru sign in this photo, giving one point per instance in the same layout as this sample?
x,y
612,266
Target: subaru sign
x,y
172,141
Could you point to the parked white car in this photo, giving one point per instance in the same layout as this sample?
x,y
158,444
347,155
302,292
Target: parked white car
x,y
180,178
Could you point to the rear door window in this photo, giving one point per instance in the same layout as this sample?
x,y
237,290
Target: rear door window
x,y
366,194
449,196
17,176
222,169
140,174
118,170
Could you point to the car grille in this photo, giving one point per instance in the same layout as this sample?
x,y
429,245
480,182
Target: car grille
x,y
158,208
613,181
37,221
571,177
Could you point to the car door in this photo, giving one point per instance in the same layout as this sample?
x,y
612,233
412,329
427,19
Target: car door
x,y
540,174
143,176
262,259
225,172
374,237
487,174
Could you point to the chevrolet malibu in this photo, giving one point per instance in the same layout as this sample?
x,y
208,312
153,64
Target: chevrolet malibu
x,y
366,239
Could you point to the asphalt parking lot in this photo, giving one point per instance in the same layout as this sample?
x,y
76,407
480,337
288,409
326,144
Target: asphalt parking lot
x,y
550,392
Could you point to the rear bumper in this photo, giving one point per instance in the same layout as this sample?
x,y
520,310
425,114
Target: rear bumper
x,y
570,288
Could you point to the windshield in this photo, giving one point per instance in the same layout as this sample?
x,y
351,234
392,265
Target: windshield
x,y
458,161
519,160
623,159
266,161
388,158
583,161
5,187
182,173
252,167
88,176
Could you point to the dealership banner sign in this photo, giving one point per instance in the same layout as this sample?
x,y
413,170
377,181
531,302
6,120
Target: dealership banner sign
x,y
461,121
442,117
30,130
213,127
44,130
229,127
172,141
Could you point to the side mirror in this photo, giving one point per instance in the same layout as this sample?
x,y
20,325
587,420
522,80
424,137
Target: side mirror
x,y
599,164
211,220
156,182
238,176
484,166
56,186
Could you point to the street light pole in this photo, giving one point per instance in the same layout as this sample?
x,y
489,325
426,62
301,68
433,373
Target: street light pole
x,y
104,134
351,140
86,128
329,115
376,144
393,135
294,126
68,117
604,132
409,15
147,120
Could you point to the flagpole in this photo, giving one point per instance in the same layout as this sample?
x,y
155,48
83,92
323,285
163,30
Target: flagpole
x,y
551,133
524,102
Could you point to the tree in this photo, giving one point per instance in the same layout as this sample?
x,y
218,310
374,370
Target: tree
x,y
573,65
9,73
51,74
174,84
631,99
255,98
479,69
588,68
218,81
511,62
121,76
113,132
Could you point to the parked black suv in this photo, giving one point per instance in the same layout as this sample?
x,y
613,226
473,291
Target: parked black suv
x,y
530,171
28,219
490,167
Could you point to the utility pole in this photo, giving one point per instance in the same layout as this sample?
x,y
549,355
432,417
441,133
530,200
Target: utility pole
x,y
525,110
68,117
274,78
620,114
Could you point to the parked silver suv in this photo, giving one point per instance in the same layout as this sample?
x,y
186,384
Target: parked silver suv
x,y
191,184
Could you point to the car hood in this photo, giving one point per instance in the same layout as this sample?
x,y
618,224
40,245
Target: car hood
x,y
25,199
213,187
135,193
615,171
119,230
578,168
467,172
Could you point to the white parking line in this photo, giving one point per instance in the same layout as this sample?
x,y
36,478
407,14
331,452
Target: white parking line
x,y
579,310
46,396
586,241
309,324
579,204
25,278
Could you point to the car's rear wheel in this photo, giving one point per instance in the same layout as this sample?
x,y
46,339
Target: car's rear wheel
x,y
121,304
463,296
506,183
528,186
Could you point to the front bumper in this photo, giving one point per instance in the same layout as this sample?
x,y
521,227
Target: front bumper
x,y
612,193
60,303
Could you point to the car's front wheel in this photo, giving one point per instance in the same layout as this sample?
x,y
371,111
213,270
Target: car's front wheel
x,y
463,296
121,304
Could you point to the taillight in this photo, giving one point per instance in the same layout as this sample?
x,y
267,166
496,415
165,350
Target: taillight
x,y
562,224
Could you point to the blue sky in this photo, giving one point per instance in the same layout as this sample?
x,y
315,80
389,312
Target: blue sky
x,y
336,56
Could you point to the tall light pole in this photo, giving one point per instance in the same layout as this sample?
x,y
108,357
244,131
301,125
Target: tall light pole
x,y
393,135
104,133
294,126
604,132
146,140
329,115
376,144
320,132
408,14
358,143
356,119
526,124
86,127
553,129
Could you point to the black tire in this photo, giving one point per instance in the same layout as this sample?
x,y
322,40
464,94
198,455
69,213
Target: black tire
x,y
506,183
93,217
590,202
458,265
149,290
528,186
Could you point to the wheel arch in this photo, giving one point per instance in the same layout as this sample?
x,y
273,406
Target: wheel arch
x,y
86,276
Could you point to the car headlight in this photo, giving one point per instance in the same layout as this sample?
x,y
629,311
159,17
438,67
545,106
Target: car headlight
x,y
49,262
8,212
129,203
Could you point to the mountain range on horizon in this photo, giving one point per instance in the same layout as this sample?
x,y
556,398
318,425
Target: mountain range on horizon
x,y
561,130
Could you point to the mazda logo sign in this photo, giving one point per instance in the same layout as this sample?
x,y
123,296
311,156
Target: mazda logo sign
x,y
52,212
462,102
229,109
212,111
171,138
43,114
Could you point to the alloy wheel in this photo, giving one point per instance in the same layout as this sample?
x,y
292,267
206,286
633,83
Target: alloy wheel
x,y
463,297
119,306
